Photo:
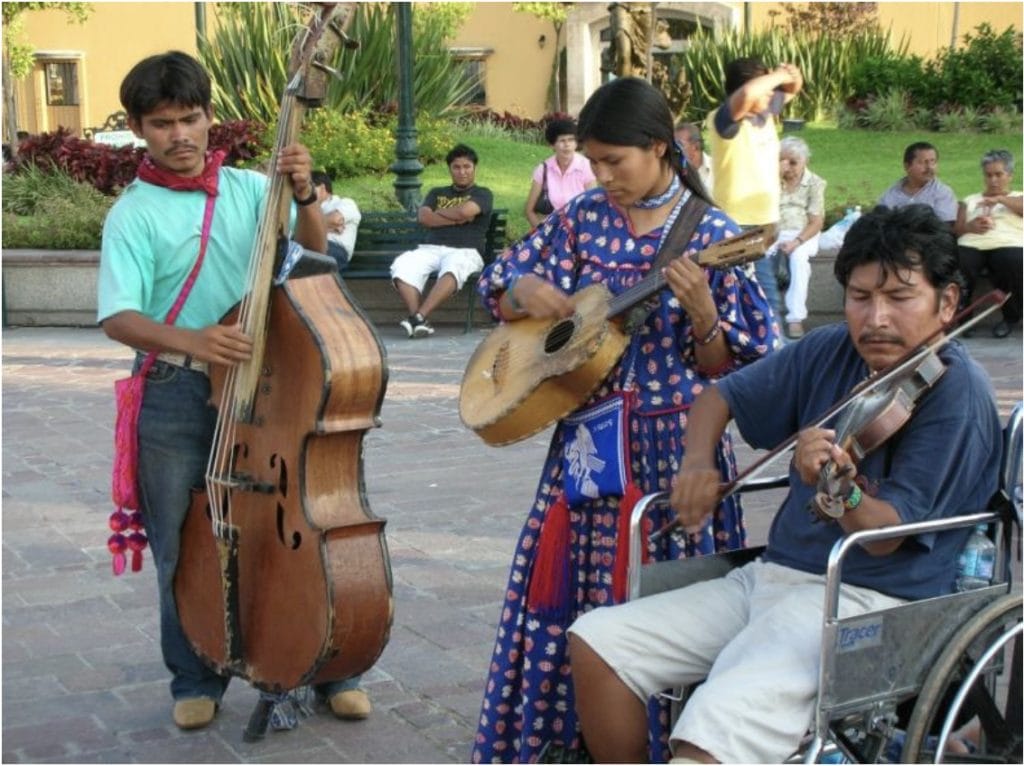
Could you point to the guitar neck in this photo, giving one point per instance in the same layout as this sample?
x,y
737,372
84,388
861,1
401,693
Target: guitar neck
x,y
636,294
724,254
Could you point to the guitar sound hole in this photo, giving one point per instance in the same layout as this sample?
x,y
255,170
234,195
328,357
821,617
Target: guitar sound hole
x,y
560,334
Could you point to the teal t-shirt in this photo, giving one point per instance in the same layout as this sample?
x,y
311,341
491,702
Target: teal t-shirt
x,y
151,241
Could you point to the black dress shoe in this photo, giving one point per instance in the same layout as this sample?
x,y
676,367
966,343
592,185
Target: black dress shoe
x,y
1001,330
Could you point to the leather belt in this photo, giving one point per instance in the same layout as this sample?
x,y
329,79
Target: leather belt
x,y
186,361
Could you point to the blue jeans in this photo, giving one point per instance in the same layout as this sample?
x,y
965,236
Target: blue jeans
x,y
339,254
330,688
764,270
175,432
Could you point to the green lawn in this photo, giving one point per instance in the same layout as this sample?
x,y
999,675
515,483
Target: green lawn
x,y
858,165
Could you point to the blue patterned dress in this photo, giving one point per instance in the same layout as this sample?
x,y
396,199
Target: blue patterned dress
x,y
528,700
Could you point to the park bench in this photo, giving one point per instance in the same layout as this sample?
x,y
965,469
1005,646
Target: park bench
x,y
385,234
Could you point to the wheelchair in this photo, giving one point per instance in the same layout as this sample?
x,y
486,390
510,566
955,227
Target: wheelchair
x,y
894,685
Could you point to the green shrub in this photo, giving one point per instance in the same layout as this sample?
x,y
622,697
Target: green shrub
x,y
961,120
52,211
875,76
890,111
984,73
248,60
1000,121
359,142
826,65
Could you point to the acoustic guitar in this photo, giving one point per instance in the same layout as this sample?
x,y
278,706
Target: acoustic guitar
x,y
527,374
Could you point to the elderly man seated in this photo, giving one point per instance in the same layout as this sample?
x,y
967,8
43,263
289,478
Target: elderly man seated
x,y
754,635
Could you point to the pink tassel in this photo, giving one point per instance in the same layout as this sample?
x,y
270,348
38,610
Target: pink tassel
x,y
117,545
137,543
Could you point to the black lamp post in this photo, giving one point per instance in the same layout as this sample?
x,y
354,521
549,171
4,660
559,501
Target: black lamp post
x,y
407,167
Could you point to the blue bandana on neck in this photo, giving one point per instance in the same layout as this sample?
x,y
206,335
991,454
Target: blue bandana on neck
x,y
649,203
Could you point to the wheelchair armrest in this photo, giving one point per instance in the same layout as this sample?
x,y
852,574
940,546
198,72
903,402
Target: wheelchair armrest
x,y
716,569
833,572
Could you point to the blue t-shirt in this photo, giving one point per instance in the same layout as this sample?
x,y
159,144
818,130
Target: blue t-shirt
x,y
151,241
944,462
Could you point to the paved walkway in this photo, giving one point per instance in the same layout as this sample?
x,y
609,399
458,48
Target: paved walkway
x,y
82,675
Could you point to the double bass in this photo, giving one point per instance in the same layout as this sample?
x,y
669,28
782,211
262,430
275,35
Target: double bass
x,y
284,577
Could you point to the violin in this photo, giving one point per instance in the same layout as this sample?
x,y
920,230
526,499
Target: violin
x,y
871,420
872,413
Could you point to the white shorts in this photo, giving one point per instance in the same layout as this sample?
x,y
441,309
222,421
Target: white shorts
x,y
753,636
415,266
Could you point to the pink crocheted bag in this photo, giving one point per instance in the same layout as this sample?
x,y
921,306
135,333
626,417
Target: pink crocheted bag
x,y
128,394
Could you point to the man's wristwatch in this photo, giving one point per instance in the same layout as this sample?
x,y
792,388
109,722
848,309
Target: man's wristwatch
x,y
308,200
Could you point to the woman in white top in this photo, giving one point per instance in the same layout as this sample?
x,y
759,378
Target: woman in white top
x,y
564,175
801,215
990,231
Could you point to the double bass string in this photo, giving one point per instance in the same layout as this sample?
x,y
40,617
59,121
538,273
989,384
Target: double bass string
x,y
235,398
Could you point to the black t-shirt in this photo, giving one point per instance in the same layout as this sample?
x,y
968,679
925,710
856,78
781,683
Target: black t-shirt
x,y
472,234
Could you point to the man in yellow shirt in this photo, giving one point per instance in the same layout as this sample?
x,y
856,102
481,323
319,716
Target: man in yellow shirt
x,y
745,150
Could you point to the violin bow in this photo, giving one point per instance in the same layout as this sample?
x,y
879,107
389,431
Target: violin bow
x,y
879,378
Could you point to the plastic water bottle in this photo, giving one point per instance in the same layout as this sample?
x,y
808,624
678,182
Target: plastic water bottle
x,y
843,224
977,561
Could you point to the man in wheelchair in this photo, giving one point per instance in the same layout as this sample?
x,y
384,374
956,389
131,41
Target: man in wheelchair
x,y
754,636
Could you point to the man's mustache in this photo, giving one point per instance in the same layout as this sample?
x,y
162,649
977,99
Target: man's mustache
x,y
880,337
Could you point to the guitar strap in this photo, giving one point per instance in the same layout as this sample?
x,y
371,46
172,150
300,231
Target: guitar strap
x,y
672,247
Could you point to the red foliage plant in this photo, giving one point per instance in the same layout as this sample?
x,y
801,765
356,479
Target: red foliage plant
x,y
110,168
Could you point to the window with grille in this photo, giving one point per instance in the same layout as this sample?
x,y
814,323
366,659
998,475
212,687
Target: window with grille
x,y
61,83
473,63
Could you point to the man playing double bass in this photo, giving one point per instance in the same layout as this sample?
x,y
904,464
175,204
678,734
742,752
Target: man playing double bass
x,y
151,240
755,634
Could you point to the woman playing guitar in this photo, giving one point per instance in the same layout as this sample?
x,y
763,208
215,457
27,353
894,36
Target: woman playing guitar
x,y
571,554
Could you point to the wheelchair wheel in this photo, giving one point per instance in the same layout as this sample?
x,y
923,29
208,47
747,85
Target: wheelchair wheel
x,y
993,695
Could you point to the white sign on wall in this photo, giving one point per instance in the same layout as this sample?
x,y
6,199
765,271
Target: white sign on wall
x,y
117,138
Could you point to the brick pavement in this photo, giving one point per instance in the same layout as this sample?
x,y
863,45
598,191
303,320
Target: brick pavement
x,y
82,675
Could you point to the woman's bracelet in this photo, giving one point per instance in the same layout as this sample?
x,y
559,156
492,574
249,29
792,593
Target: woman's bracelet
x,y
512,302
712,334
799,239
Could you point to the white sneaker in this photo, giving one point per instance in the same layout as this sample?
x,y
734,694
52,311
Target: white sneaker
x,y
422,328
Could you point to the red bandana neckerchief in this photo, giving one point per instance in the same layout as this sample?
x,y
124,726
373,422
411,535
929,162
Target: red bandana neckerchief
x,y
206,181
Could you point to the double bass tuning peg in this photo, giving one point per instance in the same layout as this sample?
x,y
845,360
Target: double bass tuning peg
x,y
328,69
347,41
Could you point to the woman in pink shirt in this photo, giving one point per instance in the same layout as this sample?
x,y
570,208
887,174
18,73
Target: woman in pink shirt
x,y
563,175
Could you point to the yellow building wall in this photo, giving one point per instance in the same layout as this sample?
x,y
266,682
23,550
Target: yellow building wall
x,y
927,26
519,69
113,39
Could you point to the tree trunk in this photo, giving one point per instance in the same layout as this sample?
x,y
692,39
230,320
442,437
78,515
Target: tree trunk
x,y
10,106
649,62
557,96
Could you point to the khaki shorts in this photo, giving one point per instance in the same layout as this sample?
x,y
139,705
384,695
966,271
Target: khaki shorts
x,y
753,637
